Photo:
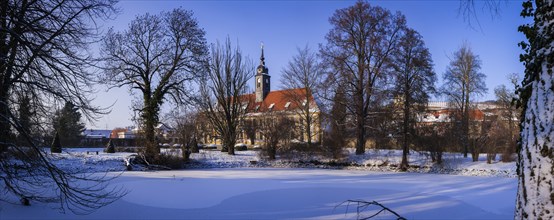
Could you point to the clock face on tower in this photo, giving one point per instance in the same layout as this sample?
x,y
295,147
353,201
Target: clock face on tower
x,y
260,70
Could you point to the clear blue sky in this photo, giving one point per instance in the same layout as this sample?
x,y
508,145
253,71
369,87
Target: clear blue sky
x,y
285,25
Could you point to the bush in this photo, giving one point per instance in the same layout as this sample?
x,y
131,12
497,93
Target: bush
x,y
185,153
127,149
110,148
300,150
334,147
172,161
508,157
241,147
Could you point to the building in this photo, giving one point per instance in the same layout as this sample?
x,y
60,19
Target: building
x,y
95,137
265,103
437,112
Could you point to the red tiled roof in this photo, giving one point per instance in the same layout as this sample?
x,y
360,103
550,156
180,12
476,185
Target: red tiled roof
x,y
279,99
114,132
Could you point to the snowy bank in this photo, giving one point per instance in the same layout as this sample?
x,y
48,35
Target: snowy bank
x,y
373,160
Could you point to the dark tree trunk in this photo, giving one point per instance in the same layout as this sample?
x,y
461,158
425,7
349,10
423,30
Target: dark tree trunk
x,y
230,140
360,117
194,147
272,152
5,134
406,129
465,127
308,130
360,135
149,122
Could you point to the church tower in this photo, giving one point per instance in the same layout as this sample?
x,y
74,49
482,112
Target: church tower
x,y
262,79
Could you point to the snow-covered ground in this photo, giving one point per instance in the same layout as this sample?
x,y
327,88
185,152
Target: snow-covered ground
x,y
373,160
257,191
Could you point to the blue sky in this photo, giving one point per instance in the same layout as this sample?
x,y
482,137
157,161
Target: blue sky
x,y
285,25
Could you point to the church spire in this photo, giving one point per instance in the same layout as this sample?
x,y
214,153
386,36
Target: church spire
x,y
262,79
262,58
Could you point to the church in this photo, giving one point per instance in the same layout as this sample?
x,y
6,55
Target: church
x,y
295,104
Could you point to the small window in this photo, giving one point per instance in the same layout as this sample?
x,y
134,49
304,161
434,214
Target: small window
x,y
257,107
287,105
304,102
271,106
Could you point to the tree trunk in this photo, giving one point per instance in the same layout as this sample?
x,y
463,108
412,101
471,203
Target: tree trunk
x,y
535,197
194,147
308,131
272,151
4,120
149,117
406,130
360,122
360,134
465,128
231,140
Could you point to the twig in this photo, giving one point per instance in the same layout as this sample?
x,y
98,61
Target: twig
x,y
361,205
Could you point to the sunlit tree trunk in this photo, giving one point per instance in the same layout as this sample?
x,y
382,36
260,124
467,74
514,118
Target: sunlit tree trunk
x,y
535,197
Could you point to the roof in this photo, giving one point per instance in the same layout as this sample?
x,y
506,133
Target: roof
x,y
117,130
97,133
444,115
280,100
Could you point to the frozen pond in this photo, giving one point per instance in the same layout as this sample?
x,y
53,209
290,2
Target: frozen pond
x,y
250,193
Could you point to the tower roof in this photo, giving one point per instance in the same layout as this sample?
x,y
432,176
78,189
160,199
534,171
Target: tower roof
x,y
262,69
262,58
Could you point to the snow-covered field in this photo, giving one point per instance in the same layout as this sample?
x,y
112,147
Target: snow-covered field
x,y
256,191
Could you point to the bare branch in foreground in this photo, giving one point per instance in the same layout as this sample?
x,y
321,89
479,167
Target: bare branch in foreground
x,y
362,205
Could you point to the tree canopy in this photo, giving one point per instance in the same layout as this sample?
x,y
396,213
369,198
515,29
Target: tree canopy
x,y
159,56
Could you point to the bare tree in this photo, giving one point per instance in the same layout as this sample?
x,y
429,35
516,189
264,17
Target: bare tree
x,y
223,92
434,138
276,132
479,137
44,54
358,48
413,83
250,128
536,154
306,72
335,137
158,55
506,97
463,81
185,124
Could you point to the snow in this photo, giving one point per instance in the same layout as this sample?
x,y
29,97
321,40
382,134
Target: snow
x,y
260,191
